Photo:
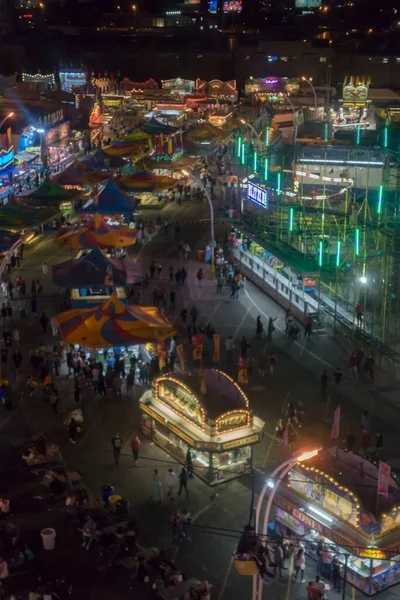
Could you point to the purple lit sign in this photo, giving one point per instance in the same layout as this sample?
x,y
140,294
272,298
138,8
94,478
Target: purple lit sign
x,y
271,81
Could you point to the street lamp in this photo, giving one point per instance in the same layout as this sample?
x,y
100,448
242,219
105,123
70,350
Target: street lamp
x,y
258,135
273,483
294,118
202,186
313,89
11,114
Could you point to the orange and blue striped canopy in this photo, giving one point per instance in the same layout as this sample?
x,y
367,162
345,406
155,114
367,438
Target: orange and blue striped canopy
x,y
97,233
113,324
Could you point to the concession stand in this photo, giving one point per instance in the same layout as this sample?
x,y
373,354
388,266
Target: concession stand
x,y
207,416
331,506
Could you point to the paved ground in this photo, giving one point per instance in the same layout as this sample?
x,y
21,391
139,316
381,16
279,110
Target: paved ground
x,y
218,514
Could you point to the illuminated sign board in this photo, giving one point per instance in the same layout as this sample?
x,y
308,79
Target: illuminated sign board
x,y
373,553
232,6
180,399
70,79
308,3
251,439
355,92
6,158
233,420
212,6
257,194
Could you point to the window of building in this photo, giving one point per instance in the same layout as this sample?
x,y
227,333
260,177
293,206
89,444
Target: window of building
x,y
322,59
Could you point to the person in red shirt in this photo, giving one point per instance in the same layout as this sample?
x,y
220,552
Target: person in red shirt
x,y
353,365
135,449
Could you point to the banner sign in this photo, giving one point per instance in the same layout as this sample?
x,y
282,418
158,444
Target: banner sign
x,y
336,424
217,348
383,480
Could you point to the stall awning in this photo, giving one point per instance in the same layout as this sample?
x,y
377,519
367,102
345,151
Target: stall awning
x,y
26,156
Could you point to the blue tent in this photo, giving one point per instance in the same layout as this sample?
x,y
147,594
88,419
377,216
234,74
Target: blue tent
x,y
111,201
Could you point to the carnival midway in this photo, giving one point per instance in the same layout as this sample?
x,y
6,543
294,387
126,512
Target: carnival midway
x,y
199,344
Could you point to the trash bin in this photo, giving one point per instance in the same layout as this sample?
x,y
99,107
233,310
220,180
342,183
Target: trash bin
x,y
48,538
106,492
200,255
122,508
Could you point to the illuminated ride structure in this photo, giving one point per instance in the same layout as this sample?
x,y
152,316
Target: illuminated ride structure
x,y
321,234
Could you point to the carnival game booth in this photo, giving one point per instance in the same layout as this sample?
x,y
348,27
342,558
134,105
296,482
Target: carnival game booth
x,y
148,188
209,415
20,216
114,329
49,195
333,507
94,276
97,233
171,167
102,161
115,206
79,176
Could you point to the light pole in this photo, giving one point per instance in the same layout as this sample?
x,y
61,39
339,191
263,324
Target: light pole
x,y
202,186
11,114
294,118
313,89
258,135
273,483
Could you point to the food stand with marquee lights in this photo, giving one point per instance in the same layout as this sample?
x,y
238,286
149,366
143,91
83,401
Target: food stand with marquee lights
x,y
330,504
218,426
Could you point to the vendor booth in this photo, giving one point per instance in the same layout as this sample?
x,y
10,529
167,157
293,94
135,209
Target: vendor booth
x,y
97,232
111,202
80,176
94,276
114,329
50,195
148,188
210,420
331,506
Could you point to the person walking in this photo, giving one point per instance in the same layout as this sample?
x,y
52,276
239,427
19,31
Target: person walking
x,y
176,527
157,487
278,559
185,522
171,483
116,444
337,376
88,531
353,365
220,284
193,313
183,479
308,327
244,347
178,277
172,299
189,463
324,383
200,276
229,345
72,430
183,275
299,565
259,327
34,306
365,430
271,328
135,449
44,321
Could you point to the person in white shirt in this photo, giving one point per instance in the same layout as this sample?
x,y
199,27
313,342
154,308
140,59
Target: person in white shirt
x,y
45,269
171,483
